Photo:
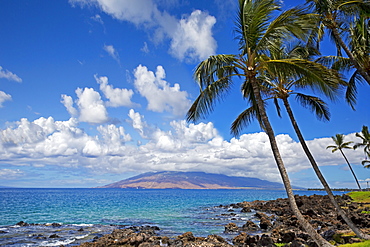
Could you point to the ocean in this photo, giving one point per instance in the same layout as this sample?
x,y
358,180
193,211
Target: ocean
x,y
79,215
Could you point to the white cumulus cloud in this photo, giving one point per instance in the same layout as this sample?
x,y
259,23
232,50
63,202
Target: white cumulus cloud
x,y
193,37
159,94
138,122
91,106
116,96
67,101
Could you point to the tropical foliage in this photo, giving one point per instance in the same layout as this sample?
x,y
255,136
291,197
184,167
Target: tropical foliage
x,y
347,21
365,138
267,68
277,86
337,17
261,33
340,145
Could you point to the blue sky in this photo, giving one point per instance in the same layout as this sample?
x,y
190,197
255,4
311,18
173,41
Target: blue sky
x,y
95,91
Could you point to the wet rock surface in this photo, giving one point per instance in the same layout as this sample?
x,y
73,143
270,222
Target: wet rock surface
x,y
277,224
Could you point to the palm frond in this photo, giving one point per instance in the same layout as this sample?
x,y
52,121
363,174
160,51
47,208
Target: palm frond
x,y
308,74
214,76
243,120
254,17
215,68
364,162
351,91
206,100
277,106
295,22
315,105
336,62
334,148
364,135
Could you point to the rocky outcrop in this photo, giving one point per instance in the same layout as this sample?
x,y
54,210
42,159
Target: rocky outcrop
x,y
278,222
147,238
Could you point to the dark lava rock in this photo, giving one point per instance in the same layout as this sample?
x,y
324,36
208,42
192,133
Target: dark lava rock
x,y
265,224
21,223
250,226
231,227
56,225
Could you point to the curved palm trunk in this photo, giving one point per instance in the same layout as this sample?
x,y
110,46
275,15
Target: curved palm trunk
x,y
320,241
319,174
350,167
350,55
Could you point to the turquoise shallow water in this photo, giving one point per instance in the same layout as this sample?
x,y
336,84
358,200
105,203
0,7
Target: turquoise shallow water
x,y
96,210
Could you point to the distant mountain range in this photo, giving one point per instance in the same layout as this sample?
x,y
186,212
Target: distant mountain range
x,y
192,180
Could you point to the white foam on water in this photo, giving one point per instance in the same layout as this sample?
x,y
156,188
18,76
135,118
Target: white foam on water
x,y
87,225
82,236
57,243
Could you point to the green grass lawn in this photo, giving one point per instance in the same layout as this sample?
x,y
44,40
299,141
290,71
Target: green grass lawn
x,y
360,196
362,244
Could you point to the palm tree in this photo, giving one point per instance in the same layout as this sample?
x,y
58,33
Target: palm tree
x,y
359,43
258,33
336,16
360,47
365,137
277,86
340,145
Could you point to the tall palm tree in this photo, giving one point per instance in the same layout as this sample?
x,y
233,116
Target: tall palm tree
x,y
336,16
365,137
340,145
259,32
277,86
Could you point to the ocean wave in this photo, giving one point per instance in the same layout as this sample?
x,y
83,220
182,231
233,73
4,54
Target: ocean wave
x,y
85,225
82,236
58,242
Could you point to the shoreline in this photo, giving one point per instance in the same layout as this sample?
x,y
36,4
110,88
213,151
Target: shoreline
x,y
268,222
276,225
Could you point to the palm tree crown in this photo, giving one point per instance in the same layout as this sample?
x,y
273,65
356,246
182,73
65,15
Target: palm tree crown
x,y
339,143
365,137
276,85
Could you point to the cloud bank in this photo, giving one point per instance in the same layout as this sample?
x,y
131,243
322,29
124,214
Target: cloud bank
x,y
184,147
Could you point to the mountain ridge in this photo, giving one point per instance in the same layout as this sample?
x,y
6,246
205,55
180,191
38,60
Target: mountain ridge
x,y
192,180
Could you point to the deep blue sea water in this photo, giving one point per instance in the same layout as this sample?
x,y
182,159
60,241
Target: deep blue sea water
x,y
86,213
